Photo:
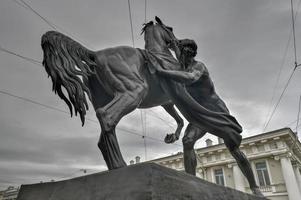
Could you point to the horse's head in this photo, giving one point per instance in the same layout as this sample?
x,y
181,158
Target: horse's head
x,y
158,36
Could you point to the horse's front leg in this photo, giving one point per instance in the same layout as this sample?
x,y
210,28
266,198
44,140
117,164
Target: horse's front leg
x,y
170,109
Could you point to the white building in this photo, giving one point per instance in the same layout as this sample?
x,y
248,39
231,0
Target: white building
x,y
10,193
275,158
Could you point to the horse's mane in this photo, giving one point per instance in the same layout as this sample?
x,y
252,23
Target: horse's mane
x,y
145,25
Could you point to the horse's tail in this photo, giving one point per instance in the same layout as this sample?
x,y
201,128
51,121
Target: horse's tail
x,y
65,60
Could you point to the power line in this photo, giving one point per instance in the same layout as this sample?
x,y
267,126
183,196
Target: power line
x,y
145,9
34,61
167,123
281,68
279,100
65,112
131,22
277,81
51,24
38,14
33,102
143,126
20,4
291,123
295,67
294,34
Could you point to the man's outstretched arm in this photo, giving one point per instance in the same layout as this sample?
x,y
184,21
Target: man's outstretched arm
x,y
181,76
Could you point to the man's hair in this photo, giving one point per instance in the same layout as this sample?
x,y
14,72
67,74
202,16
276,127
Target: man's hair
x,y
189,47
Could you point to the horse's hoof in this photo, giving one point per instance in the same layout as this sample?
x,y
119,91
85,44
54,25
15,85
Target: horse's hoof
x,y
170,138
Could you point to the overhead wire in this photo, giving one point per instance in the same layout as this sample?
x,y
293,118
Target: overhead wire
x,y
65,112
277,81
145,9
38,14
279,100
293,71
31,60
165,122
20,4
280,69
294,34
131,23
51,24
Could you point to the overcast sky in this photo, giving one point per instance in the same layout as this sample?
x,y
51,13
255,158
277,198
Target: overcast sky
x,y
242,42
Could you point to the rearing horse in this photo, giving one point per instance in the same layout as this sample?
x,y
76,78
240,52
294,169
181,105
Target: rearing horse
x,y
117,80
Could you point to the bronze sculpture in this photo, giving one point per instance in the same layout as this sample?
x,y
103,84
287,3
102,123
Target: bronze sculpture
x,y
121,79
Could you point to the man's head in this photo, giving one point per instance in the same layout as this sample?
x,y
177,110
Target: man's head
x,y
188,47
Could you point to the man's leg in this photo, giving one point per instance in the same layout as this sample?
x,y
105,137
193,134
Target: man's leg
x,y
244,166
192,134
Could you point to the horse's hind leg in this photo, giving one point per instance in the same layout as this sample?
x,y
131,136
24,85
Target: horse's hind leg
x,y
110,150
109,116
99,99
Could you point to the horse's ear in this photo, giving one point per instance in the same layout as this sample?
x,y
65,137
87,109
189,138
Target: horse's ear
x,y
145,25
158,20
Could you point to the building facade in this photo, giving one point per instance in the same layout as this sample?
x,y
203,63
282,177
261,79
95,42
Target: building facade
x,y
1,195
275,159
10,193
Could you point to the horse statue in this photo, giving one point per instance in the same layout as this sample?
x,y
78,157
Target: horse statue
x,y
117,80
120,79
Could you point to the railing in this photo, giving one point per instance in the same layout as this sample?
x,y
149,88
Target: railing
x,y
266,188
274,188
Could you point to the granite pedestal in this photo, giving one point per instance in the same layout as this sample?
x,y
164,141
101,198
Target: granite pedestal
x,y
146,181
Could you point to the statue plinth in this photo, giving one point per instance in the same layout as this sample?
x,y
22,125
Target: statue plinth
x,y
146,181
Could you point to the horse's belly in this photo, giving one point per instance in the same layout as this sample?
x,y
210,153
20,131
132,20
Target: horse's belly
x,y
155,95
153,100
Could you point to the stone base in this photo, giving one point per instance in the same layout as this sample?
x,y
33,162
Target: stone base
x,y
146,181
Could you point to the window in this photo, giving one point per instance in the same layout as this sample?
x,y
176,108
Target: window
x,y
260,148
249,150
273,145
228,155
209,158
219,176
262,173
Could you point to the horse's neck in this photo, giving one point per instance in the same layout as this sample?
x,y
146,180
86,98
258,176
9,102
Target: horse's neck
x,y
156,45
